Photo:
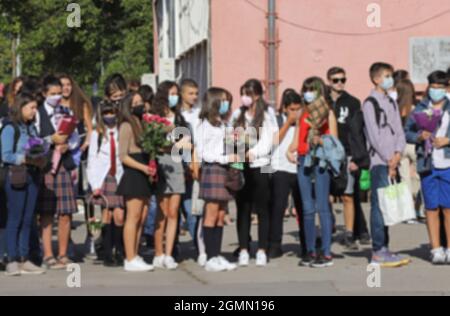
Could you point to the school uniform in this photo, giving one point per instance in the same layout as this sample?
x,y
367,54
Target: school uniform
x,y
210,144
134,183
284,183
171,171
104,169
57,195
255,196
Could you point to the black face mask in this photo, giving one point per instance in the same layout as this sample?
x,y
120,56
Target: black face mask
x,y
139,111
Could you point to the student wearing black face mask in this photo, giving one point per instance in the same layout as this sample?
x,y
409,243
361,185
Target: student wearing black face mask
x,y
104,173
134,186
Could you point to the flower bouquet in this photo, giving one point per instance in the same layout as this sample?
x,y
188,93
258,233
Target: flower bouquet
x,y
154,140
428,121
36,148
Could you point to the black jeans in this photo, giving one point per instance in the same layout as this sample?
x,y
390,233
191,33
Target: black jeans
x,y
255,196
283,184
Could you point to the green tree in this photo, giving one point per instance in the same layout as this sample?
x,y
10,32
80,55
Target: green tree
x,y
115,36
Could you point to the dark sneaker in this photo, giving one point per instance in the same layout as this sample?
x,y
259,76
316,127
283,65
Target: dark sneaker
x,y
323,262
348,241
307,260
365,240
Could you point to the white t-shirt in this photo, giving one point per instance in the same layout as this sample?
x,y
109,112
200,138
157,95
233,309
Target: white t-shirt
x,y
439,159
280,161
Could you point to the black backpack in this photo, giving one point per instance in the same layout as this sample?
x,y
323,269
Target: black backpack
x,y
379,115
3,167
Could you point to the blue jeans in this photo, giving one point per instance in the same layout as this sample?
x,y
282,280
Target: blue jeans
x,y
380,233
149,228
21,210
316,199
191,220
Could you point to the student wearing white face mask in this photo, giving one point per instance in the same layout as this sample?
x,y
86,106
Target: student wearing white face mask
x,y
57,196
255,196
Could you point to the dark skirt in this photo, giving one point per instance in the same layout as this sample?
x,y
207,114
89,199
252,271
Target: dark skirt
x,y
57,195
135,184
109,191
212,184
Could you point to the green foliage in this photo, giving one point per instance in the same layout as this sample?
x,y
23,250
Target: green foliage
x,y
115,36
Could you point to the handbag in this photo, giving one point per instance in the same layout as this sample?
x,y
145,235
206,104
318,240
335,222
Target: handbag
x,y
235,180
18,177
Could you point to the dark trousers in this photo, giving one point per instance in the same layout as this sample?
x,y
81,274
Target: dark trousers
x,y
284,184
360,227
255,196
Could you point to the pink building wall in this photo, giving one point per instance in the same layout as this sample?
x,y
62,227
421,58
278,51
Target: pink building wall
x,y
237,29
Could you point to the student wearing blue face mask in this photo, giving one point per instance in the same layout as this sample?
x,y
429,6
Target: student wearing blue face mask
x,y
210,135
386,140
171,185
435,175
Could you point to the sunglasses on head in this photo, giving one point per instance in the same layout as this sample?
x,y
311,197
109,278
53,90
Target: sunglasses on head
x,y
339,80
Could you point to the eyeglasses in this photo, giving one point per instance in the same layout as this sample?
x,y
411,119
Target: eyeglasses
x,y
339,80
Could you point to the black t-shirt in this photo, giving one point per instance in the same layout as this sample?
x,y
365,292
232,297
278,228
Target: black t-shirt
x,y
345,108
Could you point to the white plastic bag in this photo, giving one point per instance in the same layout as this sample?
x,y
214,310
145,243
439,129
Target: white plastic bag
x,y
396,204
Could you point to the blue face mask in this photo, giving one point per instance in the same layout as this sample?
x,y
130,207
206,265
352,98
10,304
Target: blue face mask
x,y
437,95
310,96
173,101
224,107
388,83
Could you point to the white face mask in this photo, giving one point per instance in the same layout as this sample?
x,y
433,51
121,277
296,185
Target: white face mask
x,y
53,100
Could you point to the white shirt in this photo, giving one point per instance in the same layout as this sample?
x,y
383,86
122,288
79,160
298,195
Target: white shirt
x,y
439,159
210,142
262,151
280,161
192,116
99,162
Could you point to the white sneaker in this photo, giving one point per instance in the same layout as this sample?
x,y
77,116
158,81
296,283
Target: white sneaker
x,y
447,256
214,265
438,256
136,266
228,265
145,264
244,258
261,259
202,259
169,263
158,262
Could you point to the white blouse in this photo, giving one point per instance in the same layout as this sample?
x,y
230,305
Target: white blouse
x,y
99,161
210,143
263,148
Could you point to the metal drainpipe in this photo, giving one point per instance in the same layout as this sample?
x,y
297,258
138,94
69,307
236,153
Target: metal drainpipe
x,y
171,10
272,48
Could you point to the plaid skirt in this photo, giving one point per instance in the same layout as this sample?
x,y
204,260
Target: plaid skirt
x,y
109,190
212,184
57,194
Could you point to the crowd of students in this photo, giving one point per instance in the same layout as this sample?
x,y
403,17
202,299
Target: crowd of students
x,y
287,155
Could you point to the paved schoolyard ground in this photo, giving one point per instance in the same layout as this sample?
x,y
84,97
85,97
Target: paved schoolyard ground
x,y
282,277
